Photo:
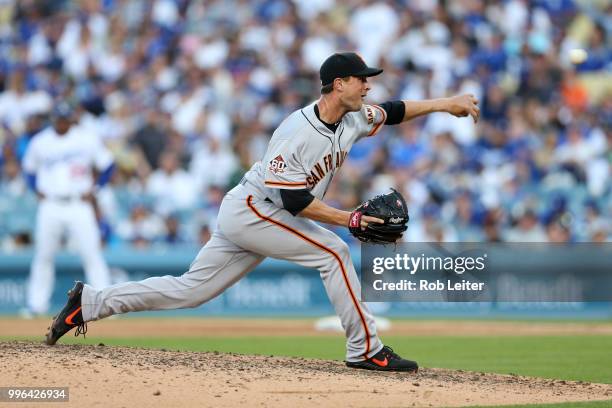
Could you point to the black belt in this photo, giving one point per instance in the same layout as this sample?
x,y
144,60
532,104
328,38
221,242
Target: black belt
x,y
244,182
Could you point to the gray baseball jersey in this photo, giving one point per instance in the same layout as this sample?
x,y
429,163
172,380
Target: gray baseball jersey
x,y
304,153
252,225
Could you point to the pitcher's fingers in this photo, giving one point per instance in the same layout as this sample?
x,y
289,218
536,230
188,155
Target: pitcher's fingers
x,y
365,220
368,219
475,114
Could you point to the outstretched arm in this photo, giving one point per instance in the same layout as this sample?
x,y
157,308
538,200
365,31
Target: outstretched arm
x,y
460,106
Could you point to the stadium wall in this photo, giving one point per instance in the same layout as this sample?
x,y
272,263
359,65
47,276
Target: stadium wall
x,y
274,288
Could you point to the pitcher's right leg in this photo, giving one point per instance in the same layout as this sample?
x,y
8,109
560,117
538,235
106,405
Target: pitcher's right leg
x,y
217,266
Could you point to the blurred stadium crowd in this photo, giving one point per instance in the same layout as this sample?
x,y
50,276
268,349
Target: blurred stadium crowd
x,y
187,93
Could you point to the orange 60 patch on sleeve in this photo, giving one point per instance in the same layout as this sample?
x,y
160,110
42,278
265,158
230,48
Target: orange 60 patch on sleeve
x,y
277,165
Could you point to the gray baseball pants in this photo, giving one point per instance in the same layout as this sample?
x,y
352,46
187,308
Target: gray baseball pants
x,y
249,230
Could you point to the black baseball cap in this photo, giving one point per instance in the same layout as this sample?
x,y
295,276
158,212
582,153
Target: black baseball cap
x,y
344,64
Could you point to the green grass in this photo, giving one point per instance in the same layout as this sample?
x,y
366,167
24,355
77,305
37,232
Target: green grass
x,y
585,358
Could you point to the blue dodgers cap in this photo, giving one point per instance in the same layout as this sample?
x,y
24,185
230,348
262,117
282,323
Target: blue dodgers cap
x,y
62,110
344,64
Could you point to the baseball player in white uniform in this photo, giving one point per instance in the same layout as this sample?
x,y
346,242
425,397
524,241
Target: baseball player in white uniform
x,y
271,213
58,166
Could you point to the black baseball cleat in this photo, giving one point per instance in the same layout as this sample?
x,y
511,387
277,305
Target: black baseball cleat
x,y
70,317
385,360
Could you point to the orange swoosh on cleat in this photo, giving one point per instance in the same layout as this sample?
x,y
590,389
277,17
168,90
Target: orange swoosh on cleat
x,y
382,363
71,316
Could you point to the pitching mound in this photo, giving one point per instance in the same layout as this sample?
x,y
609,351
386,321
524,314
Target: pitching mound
x,y
124,377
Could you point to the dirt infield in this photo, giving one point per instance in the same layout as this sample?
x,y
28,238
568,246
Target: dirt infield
x,y
124,377
198,327
116,376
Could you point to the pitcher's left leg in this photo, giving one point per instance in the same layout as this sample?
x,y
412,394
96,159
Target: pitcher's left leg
x,y
296,239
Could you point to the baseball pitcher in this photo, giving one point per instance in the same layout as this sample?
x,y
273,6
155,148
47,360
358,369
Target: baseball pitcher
x,y
270,213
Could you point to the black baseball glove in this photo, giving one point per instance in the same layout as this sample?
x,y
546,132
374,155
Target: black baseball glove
x,y
391,208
